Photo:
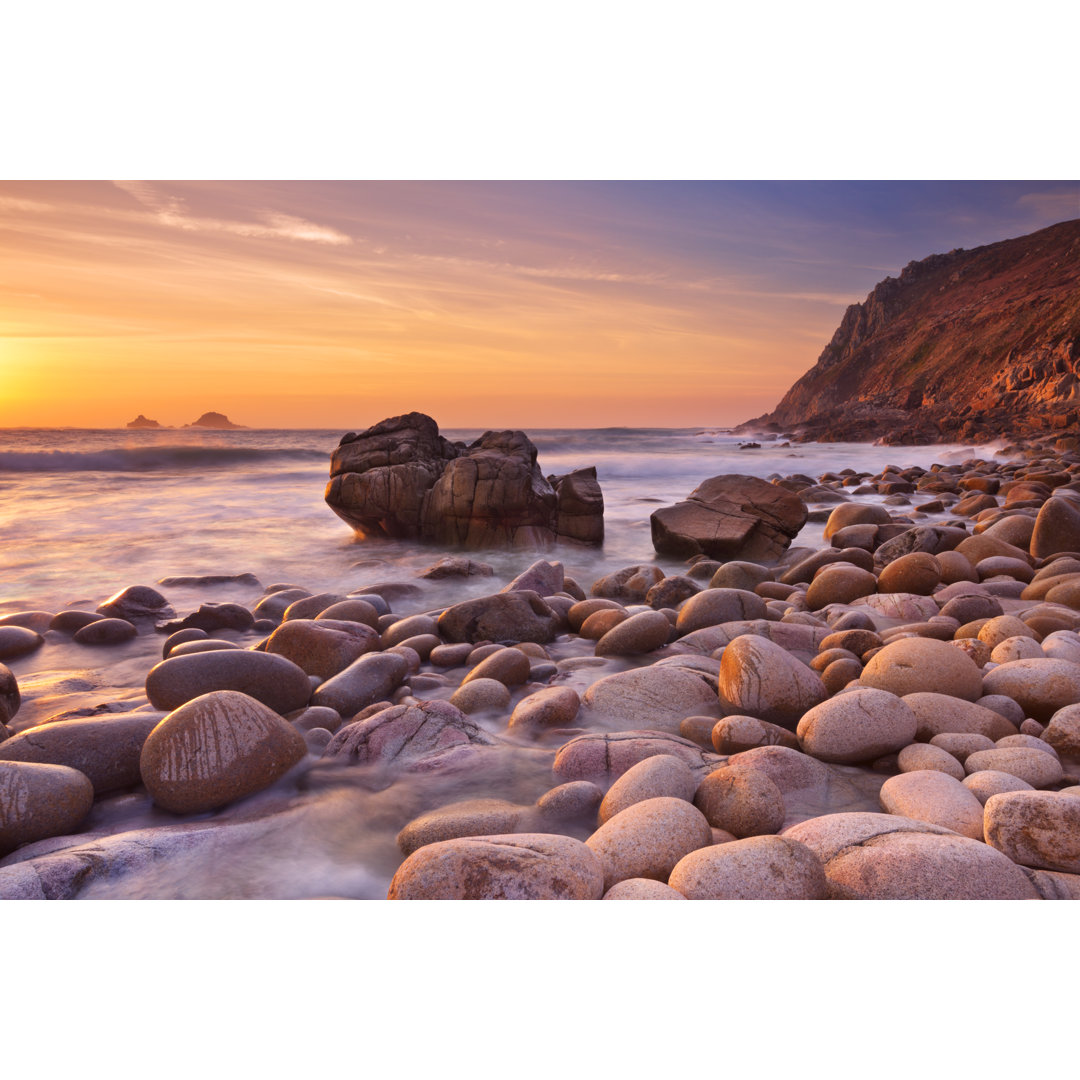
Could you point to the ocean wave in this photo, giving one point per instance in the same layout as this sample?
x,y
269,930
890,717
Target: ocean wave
x,y
152,458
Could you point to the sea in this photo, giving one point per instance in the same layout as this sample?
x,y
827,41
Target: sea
x,y
84,513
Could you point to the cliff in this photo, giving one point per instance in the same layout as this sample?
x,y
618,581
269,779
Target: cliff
x,y
967,346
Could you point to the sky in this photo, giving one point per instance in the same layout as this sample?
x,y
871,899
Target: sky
x,y
335,304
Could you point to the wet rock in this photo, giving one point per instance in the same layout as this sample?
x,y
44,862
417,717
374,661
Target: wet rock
x,y
1033,766
67,622
134,603
729,517
788,769
1057,528
917,572
218,748
648,838
515,616
523,866
607,756
657,697
933,796
742,801
322,648
887,857
1040,829
733,734
757,868
400,478
405,733
275,604
987,782
760,678
714,606
105,750
641,633
374,677
481,695
554,706
630,585
351,610
508,666
660,776
839,583
923,665
10,697
39,800
856,514
316,717
472,817
455,566
576,799
858,726
216,617
543,578
273,680
16,641
671,592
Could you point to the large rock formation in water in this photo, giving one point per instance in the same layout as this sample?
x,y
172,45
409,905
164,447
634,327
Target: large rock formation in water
x,y
402,479
965,346
216,420
141,421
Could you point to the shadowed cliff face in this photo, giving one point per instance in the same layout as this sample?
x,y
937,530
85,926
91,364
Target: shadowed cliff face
x,y
965,346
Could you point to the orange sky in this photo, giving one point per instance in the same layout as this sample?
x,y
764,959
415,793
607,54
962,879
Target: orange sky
x,y
335,304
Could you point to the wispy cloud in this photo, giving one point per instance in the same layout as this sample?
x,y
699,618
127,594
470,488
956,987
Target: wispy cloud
x,y
172,211
1053,205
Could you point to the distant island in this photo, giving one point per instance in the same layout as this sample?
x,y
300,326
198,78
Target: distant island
x,y
140,421
214,420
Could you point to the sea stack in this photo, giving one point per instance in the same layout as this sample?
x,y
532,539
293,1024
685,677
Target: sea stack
x,y
216,420
141,421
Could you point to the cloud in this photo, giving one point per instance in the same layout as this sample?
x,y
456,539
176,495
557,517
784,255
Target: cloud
x,y
1054,205
172,211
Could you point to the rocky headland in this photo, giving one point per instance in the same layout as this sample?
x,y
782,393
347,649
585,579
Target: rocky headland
x,y
967,346
893,714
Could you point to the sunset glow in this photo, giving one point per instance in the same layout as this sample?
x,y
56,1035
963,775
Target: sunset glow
x,y
334,304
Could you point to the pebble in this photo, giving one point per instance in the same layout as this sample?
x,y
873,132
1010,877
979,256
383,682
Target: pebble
x,y
857,726
960,744
218,748
574,799
37,801
756,868
741,801
656,697
648,838
1036,828
522,866
937,797
660,776
136,602
788,769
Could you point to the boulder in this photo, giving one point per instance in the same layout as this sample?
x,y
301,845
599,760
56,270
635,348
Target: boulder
x,y
522,866
606,757
401,478
742,801
218,748
757,868
38,800
658,697
935,797
1040,829
1039,687
322,647
759,678
508,616
134,603
730,517
472,817
860,725
373,677
10,698
642,889
660,776
1057,528
924,665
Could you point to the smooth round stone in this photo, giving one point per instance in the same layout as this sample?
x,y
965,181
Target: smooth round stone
x,y
554,706
39,621
999,565
886,857
1039,769
188,648
482,695
954,568
661,776
70,620
921,757
374,677
273,680
733,734
756,868
1057,528
105,749
472,817
608,755
671,592
641,633
575,799
911,607
917,572
740,575
1032,742
448,656
10,697
760,678
519,866
972,647
1058,646
923,665
583,609
743,802
972,607
656,697
790,770
600,623
317,716
308,607
856,514
322,648
38,801
1039,687
711,607
962,744
648,838
941,799
839,583
508,666
1033,727
16,641
642,889
996,631
136,602
987,782
352,610
855,641
861,725
1063,731
1036,828
839,674
182,637
1016,648
216,749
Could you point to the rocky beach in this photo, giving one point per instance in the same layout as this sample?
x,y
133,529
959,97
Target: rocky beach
x,y
693,672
